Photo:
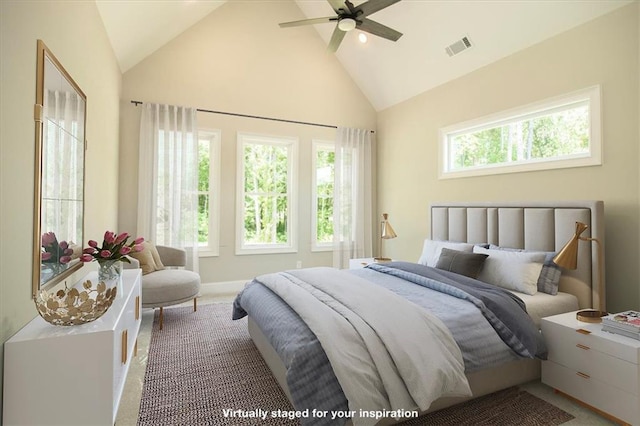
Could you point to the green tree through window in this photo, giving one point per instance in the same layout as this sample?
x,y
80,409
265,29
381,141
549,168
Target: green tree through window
x,y
267,192
324,160
208,190
559,132
552,136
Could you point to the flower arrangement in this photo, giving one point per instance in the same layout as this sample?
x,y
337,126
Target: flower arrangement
x,y
54,251
114,247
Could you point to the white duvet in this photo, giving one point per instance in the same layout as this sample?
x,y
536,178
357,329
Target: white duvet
x,y
387,353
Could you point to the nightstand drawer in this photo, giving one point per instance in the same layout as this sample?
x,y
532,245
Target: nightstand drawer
x,y
591,391
572,333
576,354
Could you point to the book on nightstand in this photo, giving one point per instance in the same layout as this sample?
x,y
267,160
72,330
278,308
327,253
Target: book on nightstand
x,y
625,323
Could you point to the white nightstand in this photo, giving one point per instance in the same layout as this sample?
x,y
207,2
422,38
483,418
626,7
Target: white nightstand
x,y
595,367
362,262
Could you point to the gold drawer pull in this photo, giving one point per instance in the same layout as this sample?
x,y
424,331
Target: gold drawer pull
x,y
124,347
583,347
583,331
137,308
584,376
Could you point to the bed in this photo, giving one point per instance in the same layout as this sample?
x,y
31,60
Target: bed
x,y
316,384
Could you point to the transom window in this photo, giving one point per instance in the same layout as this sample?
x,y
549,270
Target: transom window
x,y
555,133
266,194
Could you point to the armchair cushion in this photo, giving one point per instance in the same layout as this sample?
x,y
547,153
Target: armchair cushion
x,y
169,287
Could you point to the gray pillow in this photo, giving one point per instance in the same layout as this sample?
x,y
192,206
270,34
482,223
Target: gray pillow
x,y
461,262
549,275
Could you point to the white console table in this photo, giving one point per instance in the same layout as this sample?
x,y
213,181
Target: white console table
x,y
57,375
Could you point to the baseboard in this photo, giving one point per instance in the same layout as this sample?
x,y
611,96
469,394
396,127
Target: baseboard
x,y
223,287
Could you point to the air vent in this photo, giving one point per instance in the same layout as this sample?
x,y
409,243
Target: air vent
x,y
459,46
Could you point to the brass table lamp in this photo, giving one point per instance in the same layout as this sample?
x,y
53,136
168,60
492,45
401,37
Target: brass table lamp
x,y
386,233
567,258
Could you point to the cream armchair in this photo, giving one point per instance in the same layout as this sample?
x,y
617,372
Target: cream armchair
x,y
170,285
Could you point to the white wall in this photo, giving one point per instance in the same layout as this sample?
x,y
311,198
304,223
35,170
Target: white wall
x,y
73,31
604,51
237,59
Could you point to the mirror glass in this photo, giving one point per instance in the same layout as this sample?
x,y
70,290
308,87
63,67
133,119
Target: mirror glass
x,y
60,115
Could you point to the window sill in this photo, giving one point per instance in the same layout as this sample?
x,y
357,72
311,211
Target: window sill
x,y
265,250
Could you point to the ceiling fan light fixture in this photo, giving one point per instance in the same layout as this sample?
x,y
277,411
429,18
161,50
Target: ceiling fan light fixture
x,y
346,24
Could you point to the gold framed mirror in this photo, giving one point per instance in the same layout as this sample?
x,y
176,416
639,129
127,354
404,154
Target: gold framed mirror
x,y
58,224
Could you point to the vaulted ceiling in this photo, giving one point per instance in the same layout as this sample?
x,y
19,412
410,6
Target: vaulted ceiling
x,y
387,72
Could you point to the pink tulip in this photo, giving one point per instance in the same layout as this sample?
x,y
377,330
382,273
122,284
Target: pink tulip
x,y
109,237
86,258
67,251
64,245
89,250
122,237
138,241
48,238
125,250
93,243
65,259
46,255
138,247
105,254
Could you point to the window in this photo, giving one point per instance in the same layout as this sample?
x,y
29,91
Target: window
x,y
208,192
266,194
555,133
322,195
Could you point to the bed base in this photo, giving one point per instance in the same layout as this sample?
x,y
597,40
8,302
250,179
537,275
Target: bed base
x,y
482,382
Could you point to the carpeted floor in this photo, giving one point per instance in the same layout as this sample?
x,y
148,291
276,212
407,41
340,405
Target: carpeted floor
x,y
203,369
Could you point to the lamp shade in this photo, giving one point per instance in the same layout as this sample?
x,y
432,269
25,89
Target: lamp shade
x,y
567,257
387,231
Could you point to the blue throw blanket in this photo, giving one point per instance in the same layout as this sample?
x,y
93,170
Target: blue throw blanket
x,y
505,312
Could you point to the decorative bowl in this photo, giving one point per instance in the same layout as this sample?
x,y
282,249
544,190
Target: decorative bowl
x,y
72,306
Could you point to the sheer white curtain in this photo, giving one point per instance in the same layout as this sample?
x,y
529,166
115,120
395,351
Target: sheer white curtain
x,y
168,178
352,196
62,160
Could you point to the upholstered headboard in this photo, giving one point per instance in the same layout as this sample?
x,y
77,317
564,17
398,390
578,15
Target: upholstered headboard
x,y
543,226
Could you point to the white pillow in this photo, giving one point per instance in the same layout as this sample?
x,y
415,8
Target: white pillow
x,y
431,250
512,270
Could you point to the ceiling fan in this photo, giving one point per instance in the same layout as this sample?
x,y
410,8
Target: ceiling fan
x,y
350,17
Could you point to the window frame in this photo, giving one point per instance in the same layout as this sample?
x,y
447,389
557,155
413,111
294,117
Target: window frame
x,y
291,143
316,145
212,249
590,95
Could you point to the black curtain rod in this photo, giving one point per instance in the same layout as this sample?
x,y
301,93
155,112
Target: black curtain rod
x,y
235,114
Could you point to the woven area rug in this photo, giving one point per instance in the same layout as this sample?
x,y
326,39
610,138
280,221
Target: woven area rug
x,y
203,363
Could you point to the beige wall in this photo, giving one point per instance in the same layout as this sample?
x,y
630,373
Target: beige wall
x,y
75,34
238,60
605,52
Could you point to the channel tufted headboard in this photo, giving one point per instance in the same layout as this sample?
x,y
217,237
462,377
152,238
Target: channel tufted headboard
x,y
540,226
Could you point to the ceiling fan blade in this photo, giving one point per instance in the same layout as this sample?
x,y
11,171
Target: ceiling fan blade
x,y
372,6
336,39
308,22
380,30
352,8
336,5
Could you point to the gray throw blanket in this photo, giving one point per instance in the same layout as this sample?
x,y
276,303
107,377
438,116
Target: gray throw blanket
x,y
376,366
